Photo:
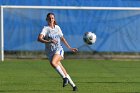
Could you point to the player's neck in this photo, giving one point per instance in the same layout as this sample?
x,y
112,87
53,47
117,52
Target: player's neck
x,y
51,25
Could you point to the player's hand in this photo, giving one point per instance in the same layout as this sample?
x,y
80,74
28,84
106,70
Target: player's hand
x,y
54,41
74,49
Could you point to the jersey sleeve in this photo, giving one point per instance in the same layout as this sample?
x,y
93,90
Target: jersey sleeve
x,y
44,31
60,31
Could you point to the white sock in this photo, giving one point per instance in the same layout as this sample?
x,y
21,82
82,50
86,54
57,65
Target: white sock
x,y
59,70
70,81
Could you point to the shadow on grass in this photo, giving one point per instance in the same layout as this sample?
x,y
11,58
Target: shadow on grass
x,y
48,91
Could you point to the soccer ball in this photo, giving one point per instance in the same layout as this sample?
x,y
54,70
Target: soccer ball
x,y
89,38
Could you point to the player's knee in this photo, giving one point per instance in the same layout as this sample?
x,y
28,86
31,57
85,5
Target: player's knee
x,y
53,63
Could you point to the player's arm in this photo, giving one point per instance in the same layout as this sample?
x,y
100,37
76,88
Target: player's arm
x,y
42,40
67,45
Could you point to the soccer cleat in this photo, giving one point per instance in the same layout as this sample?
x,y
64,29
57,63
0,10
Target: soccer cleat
x,y
75,88
65,81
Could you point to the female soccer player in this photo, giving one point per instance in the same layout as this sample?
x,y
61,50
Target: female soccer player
x,y
52,36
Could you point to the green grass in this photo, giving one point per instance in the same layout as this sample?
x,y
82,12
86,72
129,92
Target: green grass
x,y
91,76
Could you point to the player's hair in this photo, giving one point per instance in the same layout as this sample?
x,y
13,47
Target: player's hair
x,y
48,16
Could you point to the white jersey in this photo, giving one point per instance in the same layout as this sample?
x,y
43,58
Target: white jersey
x,y
49,34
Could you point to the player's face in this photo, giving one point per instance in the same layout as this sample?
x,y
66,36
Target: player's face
x,y
51,19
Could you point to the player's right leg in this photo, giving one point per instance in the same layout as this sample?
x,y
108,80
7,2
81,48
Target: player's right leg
x,y
55,63
69,78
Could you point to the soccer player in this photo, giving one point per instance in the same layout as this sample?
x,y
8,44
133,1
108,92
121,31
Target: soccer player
x,y
52,36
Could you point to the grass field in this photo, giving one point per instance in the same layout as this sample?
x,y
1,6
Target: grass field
x,y
91,76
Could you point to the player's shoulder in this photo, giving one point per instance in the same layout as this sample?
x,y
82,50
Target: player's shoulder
x,y
45,27
57,26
